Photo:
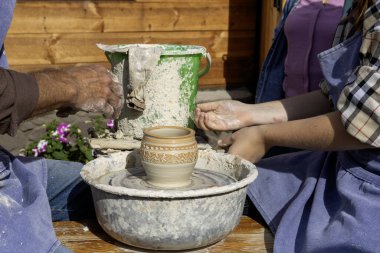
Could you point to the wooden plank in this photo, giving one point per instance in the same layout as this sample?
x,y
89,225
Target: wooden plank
x,y
73,48
232,53
129,16
269,19
224,72
64,33
87,237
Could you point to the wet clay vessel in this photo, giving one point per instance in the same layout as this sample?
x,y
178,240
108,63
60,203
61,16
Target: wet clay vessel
x,y
168,155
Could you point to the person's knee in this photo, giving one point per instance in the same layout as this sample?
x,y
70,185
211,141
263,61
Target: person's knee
x,y
64,169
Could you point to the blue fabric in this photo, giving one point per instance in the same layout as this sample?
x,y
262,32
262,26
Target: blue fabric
x,y
25,220
323,201
320,201
3,58
347,6
6,14
339,63
69,196
27,187
269,85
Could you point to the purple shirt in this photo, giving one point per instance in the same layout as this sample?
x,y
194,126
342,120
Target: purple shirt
x,y
309,30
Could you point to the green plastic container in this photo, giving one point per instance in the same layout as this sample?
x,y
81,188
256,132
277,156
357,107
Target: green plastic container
x,y
169,92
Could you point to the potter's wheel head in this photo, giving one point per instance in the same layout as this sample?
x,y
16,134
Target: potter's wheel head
x,y
215,173
137,179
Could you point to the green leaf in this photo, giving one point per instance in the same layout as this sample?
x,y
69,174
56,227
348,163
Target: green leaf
x,y
57,145
49,148
88,154
73,149
59,155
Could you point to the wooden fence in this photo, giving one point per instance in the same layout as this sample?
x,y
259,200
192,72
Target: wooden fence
x,y
64,33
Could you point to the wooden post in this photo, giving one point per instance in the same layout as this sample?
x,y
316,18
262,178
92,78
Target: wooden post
x,y
269,19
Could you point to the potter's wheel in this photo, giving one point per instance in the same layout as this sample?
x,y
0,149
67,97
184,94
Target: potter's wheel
x,y
138,214
137,179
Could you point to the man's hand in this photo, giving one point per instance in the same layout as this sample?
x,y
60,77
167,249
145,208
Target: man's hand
x,y
88,88
97,90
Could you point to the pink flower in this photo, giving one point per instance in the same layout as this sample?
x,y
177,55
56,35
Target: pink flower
x,y
41,148
110,123
63,139
42,145
61,133
63,129
35,152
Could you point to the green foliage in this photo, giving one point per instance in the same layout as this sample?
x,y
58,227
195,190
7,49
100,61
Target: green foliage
x,y
99,125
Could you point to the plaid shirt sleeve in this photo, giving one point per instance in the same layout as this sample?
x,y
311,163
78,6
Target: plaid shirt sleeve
x,y
359,102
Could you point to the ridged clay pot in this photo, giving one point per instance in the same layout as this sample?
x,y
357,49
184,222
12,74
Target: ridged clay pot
x,y
168,155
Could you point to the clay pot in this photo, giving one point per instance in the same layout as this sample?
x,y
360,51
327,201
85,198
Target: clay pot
x,y
168,155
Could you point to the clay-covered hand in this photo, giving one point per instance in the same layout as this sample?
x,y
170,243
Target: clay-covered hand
x,y
222,115
97,90
89,88
248,143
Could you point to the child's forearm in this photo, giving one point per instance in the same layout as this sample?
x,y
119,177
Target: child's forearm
x,y
325,132
299,107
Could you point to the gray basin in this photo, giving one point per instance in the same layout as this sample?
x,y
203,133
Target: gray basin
x,y
175,219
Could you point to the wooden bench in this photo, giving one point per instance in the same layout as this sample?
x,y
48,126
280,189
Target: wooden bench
x,y
88,237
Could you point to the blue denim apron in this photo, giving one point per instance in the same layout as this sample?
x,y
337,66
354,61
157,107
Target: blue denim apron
x,y
323,201
25,218
6,14
339,63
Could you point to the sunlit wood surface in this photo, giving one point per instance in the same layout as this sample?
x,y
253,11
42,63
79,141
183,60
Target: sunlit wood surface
x,y
88,237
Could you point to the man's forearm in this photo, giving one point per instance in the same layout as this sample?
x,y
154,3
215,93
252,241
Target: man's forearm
x,y
54,92
324,132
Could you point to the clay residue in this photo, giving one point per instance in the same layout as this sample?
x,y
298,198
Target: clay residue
x,y
243,171
164,106
6,201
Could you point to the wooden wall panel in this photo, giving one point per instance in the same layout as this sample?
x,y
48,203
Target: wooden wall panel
x,y
64,33
269,19
123,16
74,48
239,71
